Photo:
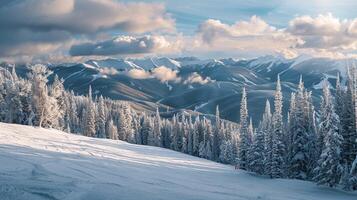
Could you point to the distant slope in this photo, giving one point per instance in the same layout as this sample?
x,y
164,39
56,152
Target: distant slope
x,y
41,164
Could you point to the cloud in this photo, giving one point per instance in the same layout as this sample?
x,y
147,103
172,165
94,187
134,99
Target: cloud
x,y
139,74
126,45
242,37
161,73
325,32
108,71
45,24
196,78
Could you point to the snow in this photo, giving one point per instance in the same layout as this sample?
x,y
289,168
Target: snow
x,y
246,80
38,163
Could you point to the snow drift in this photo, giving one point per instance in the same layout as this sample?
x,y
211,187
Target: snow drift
x,y
38,163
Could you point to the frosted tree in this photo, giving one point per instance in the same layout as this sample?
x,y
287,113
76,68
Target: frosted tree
x,y
266,126
89,116
102,118
177,135
227,152
302,136
57,92
146,129
329,168
166,134
257,151
244,137
348,119
190,134
154,139
112,130
217,137
45,107
278,148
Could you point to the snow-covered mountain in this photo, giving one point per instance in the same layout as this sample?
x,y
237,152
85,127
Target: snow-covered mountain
x,y
196,84
41,164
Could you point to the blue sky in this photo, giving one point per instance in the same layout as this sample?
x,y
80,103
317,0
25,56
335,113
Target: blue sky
x,y
190,13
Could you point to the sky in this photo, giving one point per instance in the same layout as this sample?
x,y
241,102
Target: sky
x,y
75,30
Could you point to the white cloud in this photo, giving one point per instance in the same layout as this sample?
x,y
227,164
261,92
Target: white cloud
x,y
161,73
242,37
126,45
325,32
139,74
108,70
165,74
196,78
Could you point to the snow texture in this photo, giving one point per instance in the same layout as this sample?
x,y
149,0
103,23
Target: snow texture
x,y
38,163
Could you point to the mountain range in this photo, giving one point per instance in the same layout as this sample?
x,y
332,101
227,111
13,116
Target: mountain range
x,y
198,85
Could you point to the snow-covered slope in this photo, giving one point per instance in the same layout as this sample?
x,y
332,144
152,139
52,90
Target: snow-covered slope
x,y
37,163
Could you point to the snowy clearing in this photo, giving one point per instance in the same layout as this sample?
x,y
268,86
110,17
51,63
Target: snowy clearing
x,y
38,163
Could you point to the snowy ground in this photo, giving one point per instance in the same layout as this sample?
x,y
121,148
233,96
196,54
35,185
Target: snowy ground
x,y
48,164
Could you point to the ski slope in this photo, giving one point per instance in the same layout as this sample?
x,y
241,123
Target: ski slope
x,y
38,163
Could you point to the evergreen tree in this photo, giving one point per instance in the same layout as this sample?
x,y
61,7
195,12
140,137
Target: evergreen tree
x,y
278,147
244,137
217,137
89,116
101,119
329,169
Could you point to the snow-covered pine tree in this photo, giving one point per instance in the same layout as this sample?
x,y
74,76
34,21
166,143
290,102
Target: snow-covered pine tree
x,y
329,168
256,157
89,120
244,137
278,147
57,92
217,137
155,138
102,118
45,107
111,130
302,136
348,119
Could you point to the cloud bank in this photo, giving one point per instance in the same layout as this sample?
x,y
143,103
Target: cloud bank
x,y
126,45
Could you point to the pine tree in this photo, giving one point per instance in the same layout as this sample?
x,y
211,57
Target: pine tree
x,y
244,137
101,119
329,170
278,147
217,137
302,142
89,120
348,120
112,130
155,138
257,153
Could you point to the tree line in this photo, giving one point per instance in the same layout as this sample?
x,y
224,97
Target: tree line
x,y
309,144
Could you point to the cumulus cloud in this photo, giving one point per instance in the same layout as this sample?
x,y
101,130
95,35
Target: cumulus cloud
x,y
126,45
165,74
243,36
139,74
325,32
46,24
108,71
161,73
196,78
